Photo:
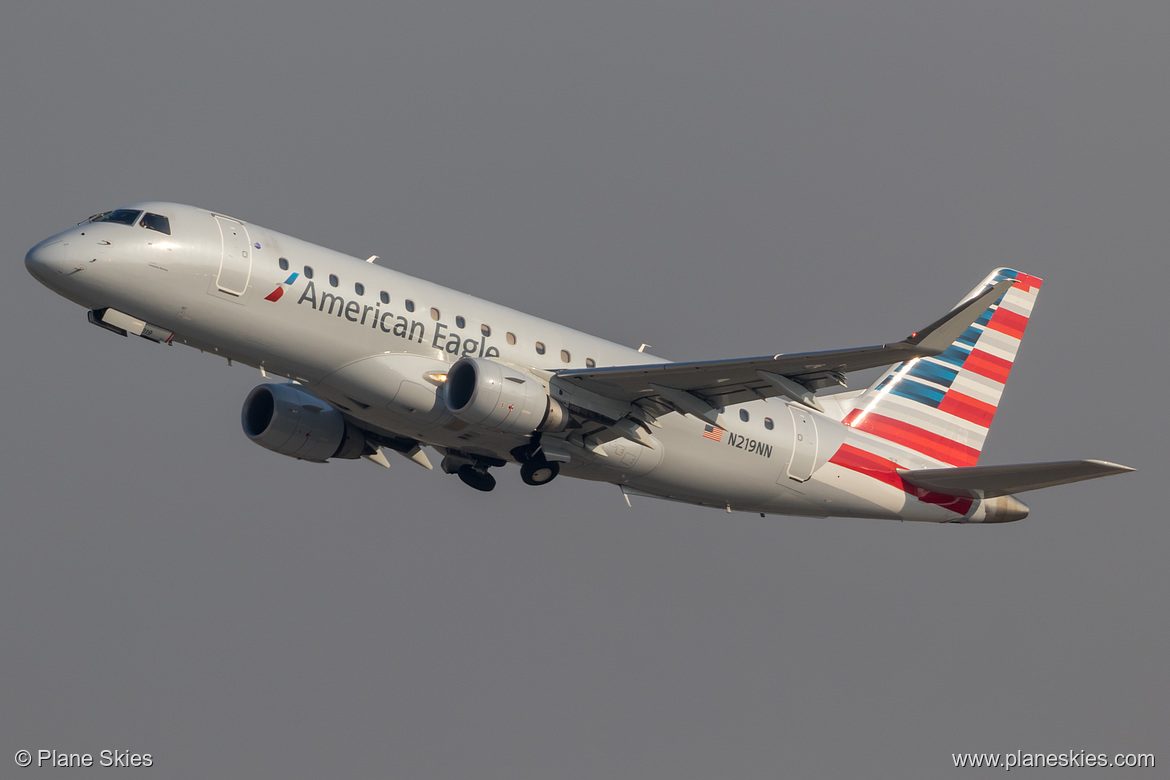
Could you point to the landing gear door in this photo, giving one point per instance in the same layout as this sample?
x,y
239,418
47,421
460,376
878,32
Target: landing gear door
x,y
235,263
804,445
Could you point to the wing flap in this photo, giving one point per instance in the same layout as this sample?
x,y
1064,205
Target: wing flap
x,y
991,481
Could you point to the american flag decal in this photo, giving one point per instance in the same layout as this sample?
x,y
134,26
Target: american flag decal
x,y
713,432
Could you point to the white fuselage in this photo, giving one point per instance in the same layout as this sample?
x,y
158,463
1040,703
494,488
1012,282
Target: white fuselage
x,y
376,343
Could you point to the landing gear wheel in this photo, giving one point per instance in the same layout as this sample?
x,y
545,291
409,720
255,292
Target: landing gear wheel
x,y
476,478
539,471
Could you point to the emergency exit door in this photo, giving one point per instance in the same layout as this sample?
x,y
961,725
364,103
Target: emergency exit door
x,y
804,445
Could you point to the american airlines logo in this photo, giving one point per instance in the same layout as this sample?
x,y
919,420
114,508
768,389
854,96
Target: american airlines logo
x,y
279,291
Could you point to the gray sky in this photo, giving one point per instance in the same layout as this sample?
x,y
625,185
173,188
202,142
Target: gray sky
x,y
715,179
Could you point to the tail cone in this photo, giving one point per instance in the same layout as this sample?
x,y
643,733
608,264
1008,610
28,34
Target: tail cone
x,y
1004,509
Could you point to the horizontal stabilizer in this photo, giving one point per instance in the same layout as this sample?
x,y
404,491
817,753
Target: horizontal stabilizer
x,y
990,481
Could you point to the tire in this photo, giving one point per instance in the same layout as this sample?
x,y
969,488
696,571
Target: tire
x,y
539,471
477,478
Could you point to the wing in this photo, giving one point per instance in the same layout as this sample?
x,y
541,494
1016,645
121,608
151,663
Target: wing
x,y
990,481
700,387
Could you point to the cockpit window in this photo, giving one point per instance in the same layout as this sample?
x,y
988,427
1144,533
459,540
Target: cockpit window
x,y
118,216
156,222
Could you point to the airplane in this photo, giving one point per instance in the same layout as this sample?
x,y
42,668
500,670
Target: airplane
x,y
380,363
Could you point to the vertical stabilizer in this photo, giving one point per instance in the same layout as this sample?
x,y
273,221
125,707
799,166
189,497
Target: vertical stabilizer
x,y
942,406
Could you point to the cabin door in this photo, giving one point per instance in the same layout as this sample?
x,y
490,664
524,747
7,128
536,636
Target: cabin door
x,y
235,261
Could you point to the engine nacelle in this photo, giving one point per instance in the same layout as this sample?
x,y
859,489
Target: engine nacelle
x,y
298,424
500,398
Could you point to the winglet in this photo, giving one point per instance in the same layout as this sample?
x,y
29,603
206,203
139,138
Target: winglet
x,y
936,337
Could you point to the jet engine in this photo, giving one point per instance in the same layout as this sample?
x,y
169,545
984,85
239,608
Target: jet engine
x,y
500,398
298,424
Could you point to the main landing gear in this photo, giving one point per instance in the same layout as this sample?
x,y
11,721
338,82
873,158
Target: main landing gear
x,y
477,478
539,470
535,468
473,471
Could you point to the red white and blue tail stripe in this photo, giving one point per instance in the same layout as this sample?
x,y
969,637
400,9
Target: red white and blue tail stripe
x,y
942,406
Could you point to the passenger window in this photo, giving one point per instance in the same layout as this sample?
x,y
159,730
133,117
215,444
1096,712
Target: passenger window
x,y
409,305
590,362
156,222
283,263
540,347
485,330
564,356
359,288
768,423
511,337
308,272
385,296
460,322
743,415
434,314
333,280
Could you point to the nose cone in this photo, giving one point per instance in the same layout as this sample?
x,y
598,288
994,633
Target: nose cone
x,y
46,259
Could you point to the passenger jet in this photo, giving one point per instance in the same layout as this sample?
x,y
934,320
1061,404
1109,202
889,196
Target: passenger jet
x,y
380,363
